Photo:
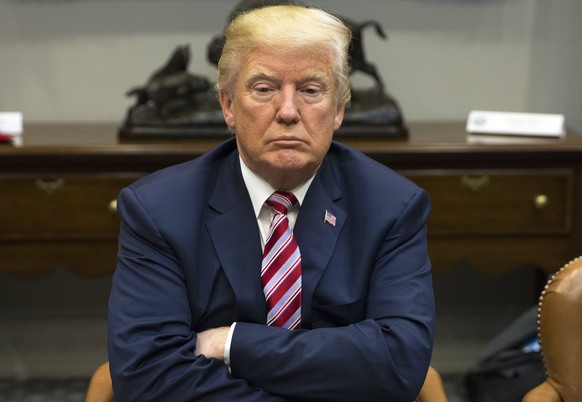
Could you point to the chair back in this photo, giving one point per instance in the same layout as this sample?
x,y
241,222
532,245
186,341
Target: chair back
x,y
560,330
100,388
433,389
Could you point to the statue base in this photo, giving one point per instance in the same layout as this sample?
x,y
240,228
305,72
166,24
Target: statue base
x,y
371,115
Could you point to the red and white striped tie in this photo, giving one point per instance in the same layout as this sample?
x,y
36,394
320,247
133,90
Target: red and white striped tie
x,y
281,268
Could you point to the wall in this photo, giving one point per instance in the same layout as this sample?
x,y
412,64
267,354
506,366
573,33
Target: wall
x,y
556,77
74,60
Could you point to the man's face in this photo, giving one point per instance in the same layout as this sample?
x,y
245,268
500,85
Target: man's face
x,y
284,113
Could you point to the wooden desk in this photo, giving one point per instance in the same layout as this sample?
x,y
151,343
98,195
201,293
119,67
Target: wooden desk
x,y
496,206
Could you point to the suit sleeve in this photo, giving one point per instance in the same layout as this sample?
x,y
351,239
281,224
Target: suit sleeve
x,y
383,357
150,339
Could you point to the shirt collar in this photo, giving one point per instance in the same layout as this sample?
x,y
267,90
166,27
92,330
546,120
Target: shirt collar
x,y
259,190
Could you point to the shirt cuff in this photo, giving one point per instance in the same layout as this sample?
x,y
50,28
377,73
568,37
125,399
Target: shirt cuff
x,y
227,346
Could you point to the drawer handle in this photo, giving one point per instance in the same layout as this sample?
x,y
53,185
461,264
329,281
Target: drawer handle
x,y
112,206
474,183
50,186
541,201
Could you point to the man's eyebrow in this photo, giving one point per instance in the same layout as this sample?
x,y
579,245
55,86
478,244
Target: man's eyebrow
x,y
254,77
319,77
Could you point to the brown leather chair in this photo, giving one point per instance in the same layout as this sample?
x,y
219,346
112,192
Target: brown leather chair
x,y
100,388
560,335
433,389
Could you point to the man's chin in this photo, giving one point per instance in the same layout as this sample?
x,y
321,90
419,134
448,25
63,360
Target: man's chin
x,y
289,159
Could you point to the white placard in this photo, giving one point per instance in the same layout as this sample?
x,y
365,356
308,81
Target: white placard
x,y
506,123
11,123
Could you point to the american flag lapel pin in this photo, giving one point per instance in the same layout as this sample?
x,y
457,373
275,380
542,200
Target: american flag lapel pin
x,y
329,218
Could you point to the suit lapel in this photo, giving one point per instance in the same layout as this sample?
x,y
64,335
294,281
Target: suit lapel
x,y
236,238
317,239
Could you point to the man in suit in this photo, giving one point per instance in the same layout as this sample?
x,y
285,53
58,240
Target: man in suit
x,y
191,315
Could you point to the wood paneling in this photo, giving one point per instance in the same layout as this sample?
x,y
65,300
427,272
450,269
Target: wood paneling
x,y
495,206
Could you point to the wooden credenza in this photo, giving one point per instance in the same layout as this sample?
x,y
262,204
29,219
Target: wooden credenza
x,y
497,206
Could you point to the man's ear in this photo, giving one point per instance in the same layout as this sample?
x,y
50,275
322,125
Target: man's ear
x,y
339,117
226,105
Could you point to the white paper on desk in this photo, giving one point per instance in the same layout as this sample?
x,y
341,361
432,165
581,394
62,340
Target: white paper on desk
x,y
524,124
510,139
11,123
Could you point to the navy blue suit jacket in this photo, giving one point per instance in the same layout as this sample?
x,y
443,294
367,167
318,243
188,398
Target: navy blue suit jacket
x,y
189,260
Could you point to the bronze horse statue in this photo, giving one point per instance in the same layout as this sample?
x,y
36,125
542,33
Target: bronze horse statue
x,y
176,103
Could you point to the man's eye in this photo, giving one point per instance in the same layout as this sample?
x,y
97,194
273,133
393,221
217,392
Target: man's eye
x,y
311,90
262,89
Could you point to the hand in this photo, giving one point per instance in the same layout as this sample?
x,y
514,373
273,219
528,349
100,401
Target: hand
x,y
210,343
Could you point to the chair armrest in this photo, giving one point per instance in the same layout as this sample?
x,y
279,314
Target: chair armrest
x,y
542,393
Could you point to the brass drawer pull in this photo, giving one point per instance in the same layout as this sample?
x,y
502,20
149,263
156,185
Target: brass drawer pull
x,y
112,206
50,186
475,183
541,201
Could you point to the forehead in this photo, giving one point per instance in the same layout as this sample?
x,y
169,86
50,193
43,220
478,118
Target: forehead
x,y
293,63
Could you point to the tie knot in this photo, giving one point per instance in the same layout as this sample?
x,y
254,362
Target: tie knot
x,y
281,201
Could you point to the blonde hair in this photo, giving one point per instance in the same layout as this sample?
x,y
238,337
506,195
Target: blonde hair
x,y
285,26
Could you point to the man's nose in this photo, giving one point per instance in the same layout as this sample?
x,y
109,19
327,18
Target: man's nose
x,y
288,111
